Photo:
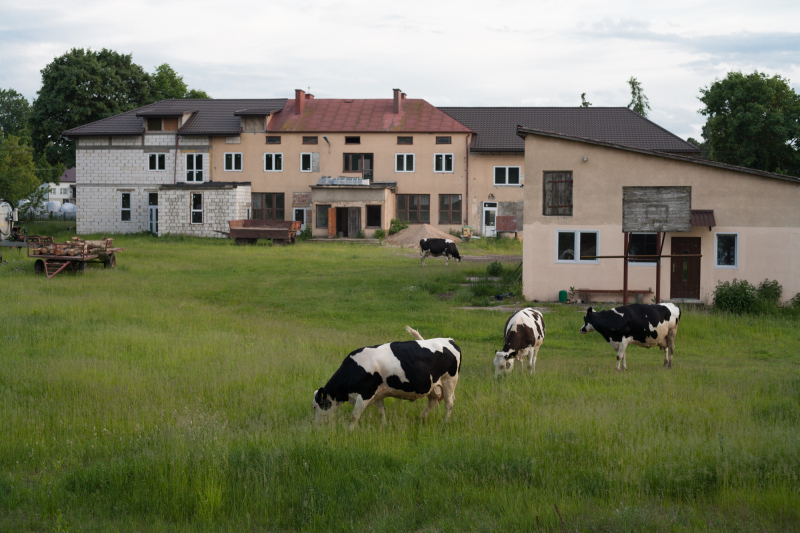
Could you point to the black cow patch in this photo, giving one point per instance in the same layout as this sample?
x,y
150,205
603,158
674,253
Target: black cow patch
x,y
633,321
352,378
422,366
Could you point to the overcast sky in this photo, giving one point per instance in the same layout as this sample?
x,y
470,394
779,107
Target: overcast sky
x,y
451,53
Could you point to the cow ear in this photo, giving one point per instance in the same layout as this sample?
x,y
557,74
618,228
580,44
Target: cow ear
x,y
589,311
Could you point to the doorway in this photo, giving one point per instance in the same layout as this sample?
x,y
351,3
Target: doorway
x,y
152,212
685,271
489,219
348,221
300,216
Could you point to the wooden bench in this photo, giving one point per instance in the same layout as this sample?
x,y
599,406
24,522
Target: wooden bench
x,y
587,292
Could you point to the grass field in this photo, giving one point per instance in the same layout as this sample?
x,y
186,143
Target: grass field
x,y
173,393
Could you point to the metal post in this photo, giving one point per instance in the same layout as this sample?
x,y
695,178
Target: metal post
x,y
625,273
658,268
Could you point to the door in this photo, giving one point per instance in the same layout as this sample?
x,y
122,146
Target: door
x,y
152,212
300,216
685,271
489,219
332,222
353,221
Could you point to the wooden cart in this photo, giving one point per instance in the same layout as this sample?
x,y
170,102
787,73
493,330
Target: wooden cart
x,y
249,231
52,257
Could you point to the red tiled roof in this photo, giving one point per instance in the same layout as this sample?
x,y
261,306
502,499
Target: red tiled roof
x,y
363,115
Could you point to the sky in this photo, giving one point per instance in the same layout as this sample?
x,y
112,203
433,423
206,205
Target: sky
x,y
450,53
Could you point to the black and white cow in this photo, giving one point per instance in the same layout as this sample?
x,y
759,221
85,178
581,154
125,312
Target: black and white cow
x,y
405,370
645,325
524,334
438,247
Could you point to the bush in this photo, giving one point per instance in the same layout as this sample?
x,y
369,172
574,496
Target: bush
x,y
735,297
361,235
397,225
770,292
795,302
380,234
494,269
304,235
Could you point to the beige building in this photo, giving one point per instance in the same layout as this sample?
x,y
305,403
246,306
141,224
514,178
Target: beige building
x,y
573,210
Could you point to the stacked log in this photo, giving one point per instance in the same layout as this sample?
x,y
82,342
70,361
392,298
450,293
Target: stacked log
x,y
75,247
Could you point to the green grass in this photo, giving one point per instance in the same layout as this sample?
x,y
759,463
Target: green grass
x,y
173,393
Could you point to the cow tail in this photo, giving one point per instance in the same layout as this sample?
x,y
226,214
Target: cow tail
x,y
414,333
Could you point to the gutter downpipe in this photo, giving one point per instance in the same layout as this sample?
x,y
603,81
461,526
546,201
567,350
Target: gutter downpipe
x,y
175,167
466,217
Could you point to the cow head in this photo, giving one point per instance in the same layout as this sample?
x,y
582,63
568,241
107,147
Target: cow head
x,y
587,324
503,362
324,405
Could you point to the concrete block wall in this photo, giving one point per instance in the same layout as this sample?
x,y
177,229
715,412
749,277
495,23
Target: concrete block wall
x,y
101,210
219,206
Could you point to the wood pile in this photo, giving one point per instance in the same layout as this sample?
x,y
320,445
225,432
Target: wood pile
x,y
75,247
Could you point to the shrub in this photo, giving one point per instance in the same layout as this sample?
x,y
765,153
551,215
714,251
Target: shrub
x,y
795,302
397,225
495,268
380,234
735,297
361,235
770,292
305,234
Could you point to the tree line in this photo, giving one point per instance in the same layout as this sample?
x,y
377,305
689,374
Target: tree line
x,y
79,87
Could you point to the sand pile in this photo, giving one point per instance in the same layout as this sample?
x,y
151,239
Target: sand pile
x,y
410,237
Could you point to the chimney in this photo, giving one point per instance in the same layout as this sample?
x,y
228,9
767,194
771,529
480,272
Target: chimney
x,y
299,101
397,99
402,96
309,96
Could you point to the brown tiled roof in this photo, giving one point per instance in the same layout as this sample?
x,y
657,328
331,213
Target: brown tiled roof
x,y
496,127
522,131
703,217
363,115
68,176
211,117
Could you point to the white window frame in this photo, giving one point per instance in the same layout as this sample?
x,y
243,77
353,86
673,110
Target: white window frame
x,y
233,161
405,161
310,161
735,265
192,210
577,250
129,209
648,263
160,158
194,166
506,184
63,190
444,163
273,154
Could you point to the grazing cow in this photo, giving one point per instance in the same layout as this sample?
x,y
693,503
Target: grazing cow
x,y
645,325
437,247
405,370
524,334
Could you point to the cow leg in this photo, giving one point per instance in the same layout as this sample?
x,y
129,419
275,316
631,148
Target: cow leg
x,y
670,349
423,255
533,351
449,391
361,404
621,355
432,401
382,410
446,259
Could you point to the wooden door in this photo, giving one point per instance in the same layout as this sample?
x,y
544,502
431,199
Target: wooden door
x,y
353,221
685,271
332,222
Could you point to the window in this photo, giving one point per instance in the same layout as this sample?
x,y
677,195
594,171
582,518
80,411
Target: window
x,y
557,197
268,206
576,246
405,140
197,208
727,250
322,216
152,199
125,207
311,140
449,209
273,140
53,190
352,140
157,161
273,162
305,162
414,208
444,140
443,162
404,163
153,124
63,190
194,167
373,216
507,176
643,244
358,163
233,162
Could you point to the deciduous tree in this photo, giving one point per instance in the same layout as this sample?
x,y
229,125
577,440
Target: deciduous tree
x,y
17,171
166,83
753,121
584,101
639,102
14,114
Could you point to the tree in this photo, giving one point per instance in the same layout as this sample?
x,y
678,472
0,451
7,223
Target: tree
x,y
79,87
197,94
639,102
753,121
584,101
166,83
17,171
705,152
14,114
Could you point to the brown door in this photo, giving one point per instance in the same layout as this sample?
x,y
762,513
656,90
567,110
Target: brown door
x,y
353,221
685,271
332,222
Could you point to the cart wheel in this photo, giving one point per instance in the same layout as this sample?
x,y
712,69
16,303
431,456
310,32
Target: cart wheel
x,y
80,266
38,267
110,261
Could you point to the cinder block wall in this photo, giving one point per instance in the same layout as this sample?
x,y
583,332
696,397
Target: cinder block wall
x,y
219,206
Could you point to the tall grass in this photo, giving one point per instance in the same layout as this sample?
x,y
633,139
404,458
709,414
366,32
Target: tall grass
x,y
173,393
